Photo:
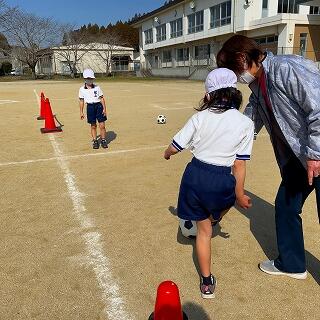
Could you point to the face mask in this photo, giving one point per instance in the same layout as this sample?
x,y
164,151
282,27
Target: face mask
x,y
88,82
246,77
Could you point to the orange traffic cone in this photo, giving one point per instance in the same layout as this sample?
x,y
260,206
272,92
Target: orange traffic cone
x,y
49,123
42,107
168,305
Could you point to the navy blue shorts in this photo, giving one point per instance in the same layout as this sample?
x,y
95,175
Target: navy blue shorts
x,y
205,190
95,113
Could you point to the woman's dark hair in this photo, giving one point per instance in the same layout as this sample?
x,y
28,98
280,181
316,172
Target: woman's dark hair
x,y
221,100
235,49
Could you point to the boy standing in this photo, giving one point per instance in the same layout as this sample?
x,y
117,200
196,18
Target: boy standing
x,y
92,95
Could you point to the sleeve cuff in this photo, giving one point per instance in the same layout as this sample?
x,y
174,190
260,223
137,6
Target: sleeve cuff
x,y
243,157
176,145
311,154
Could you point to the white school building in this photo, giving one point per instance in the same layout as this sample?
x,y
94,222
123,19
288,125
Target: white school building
x,y
182,37
96,56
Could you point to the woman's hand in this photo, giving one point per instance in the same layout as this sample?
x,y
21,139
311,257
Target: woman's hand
x,y
313,167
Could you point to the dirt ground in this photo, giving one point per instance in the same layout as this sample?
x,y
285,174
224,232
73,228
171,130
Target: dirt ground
x,y
90,234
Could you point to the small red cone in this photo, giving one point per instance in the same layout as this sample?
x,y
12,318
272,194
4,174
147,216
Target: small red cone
x,y
42,107
168,305
49,123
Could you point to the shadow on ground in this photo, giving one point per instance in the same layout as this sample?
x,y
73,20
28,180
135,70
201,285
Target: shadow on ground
x,y
194,311
191,311
110,136
262,226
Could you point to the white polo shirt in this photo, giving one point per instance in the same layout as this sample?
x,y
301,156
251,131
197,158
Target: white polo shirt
x,y
90,95
217,138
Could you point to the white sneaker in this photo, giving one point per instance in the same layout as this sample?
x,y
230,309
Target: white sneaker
x,y
268,267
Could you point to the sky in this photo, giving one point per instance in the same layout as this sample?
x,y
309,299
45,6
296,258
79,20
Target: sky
x,y
80,12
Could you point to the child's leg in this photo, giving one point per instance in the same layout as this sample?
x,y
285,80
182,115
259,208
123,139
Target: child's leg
x,y
102,130
203,245
94,131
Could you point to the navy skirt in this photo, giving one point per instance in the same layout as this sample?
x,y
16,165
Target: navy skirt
x,y
205,190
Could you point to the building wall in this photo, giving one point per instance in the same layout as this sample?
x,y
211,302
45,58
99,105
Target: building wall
x,y
247,18
90,60
312,50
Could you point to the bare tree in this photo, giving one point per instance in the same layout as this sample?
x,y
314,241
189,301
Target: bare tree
x,y
108,44
30,36
75,45
4,11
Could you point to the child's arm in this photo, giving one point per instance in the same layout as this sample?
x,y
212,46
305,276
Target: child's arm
x,y
183,138
103,102
81,104
239,172
170,151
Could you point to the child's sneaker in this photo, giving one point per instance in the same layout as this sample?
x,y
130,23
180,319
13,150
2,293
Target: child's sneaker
x,y
95,144
207,291
104,143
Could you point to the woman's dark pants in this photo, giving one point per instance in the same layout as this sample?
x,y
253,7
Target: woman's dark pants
x,y
293,191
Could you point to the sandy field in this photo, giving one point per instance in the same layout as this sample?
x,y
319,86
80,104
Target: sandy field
x,y
90,234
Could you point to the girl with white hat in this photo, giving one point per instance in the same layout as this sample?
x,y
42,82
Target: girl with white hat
x,y
91,95
220,139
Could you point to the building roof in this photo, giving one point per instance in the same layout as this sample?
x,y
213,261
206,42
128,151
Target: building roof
x,y
170,4
96,46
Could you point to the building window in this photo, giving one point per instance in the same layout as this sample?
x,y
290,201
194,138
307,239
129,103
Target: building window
x,y
182,54
303,44
148,35
220,14
288,6
161,33
176,28
166,56
264,4
195,22
202,52
267,39
314,10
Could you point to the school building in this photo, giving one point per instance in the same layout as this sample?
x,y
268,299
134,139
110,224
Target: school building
x,y
182,38
101,58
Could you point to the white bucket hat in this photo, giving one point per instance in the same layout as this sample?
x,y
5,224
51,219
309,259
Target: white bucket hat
x,y
88,73
220,78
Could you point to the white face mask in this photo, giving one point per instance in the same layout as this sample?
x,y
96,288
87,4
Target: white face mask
x,y
88,81
246,77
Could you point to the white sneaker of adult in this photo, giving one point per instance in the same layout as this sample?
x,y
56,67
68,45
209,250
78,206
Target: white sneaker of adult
x,y
268,267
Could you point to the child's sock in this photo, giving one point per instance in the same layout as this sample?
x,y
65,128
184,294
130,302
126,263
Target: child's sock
x,y
207,280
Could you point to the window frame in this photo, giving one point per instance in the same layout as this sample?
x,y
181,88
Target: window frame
x,y
148,40
175,32
197,20
161,36
216,18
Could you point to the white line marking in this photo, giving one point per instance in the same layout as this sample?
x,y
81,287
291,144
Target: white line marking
x,y
109,153
168,109
8,101
114,304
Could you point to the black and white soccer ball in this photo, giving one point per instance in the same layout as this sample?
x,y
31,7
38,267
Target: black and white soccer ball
x,y
161,119
188,228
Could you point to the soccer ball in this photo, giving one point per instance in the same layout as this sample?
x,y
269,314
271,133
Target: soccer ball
x,y
161,119
188,228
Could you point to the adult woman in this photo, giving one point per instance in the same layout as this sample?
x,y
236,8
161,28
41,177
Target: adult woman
x,y
286,99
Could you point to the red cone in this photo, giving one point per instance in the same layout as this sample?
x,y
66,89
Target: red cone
x,y
168,305
50,125
42,107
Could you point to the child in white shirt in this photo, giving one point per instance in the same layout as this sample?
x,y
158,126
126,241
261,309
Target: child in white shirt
x,y
220,138
91,95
